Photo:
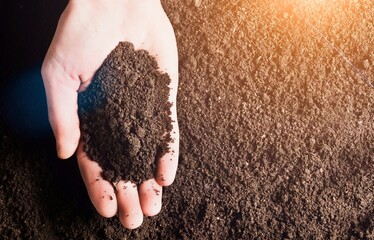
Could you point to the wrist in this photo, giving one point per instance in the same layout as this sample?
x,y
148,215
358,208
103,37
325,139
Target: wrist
x,y
115,7
114,2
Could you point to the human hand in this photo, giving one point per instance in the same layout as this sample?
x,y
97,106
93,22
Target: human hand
x,y
87,32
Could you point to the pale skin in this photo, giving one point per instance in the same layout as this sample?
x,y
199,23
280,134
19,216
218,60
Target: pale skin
x,y
87,32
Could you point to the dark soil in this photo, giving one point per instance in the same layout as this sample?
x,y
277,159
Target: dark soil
x,y
277,133
124,115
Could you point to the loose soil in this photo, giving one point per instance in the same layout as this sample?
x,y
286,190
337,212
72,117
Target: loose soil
x,y
125,115
277,133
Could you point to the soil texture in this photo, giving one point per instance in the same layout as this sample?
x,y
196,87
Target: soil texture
x,y
277,133
125,115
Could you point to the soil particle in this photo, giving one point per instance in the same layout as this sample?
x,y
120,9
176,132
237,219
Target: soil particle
x,y
157,192
123,114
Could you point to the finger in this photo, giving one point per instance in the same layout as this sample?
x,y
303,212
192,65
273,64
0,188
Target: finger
x,y
150,197
168,163
100,191
129,210
61,91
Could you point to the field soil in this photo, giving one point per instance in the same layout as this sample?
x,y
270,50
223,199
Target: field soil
x,y
277,132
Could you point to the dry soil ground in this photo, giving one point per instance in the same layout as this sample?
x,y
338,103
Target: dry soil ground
x,y
277,130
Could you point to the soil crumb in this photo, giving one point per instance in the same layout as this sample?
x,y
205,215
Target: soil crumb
x,y
125,113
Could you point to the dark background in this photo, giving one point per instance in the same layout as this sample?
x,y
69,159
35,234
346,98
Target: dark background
x,y
27,30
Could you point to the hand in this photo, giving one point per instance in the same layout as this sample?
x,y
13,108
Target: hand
x,y
87,32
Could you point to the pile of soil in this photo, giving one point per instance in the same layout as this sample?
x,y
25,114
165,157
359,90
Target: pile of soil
x,y
277,133
125,115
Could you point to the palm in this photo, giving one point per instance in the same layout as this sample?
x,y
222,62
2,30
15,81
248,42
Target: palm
x,y
85,35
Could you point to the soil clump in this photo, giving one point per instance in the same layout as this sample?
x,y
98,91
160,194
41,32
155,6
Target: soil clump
x,y
124,115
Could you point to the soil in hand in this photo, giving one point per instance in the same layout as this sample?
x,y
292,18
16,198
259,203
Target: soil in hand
x,y
125,113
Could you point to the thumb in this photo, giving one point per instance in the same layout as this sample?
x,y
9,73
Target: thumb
x,y
61,90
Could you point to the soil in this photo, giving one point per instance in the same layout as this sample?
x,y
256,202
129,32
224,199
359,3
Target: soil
x,y
124,115
277,133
